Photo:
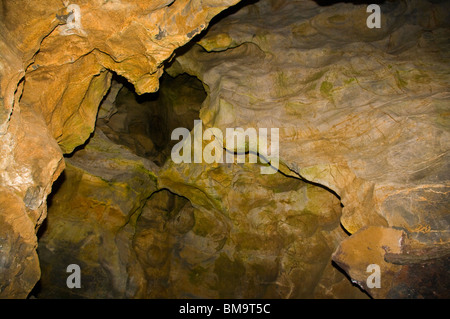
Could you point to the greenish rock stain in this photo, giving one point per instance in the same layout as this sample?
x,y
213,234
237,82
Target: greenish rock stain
x,y
401,83
349,81
310,87
202,225
337,19
282,84
325,88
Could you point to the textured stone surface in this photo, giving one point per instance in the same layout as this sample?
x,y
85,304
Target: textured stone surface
x,y
368,247
30,160
55,67
71,71
271,235
144,123
409,268
361,112
91,223
220,232
202,231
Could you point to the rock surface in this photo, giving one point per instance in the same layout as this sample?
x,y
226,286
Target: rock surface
x,y
361,111
364,150
408,268
91,222
188,231
144,123
56,63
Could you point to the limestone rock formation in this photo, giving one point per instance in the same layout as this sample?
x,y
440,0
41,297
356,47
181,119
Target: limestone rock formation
x,y
408,268
361,111
363,159
99,199
144,123
56,61
187,231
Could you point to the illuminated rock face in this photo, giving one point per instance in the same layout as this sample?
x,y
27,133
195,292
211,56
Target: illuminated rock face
x,y
364,139
361,111
139,230
55,67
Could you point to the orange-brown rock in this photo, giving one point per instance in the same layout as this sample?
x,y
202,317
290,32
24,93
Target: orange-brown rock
x,y
410,265
364,149
56,62
367,247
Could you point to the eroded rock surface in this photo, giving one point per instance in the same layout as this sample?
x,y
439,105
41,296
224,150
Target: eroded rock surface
x,y
55,67
189,231
408,268
92,222
361,111
364,140
144,123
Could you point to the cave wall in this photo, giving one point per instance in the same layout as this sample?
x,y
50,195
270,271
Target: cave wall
x,y
56,61
144,123
142,231
363,113
348,102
